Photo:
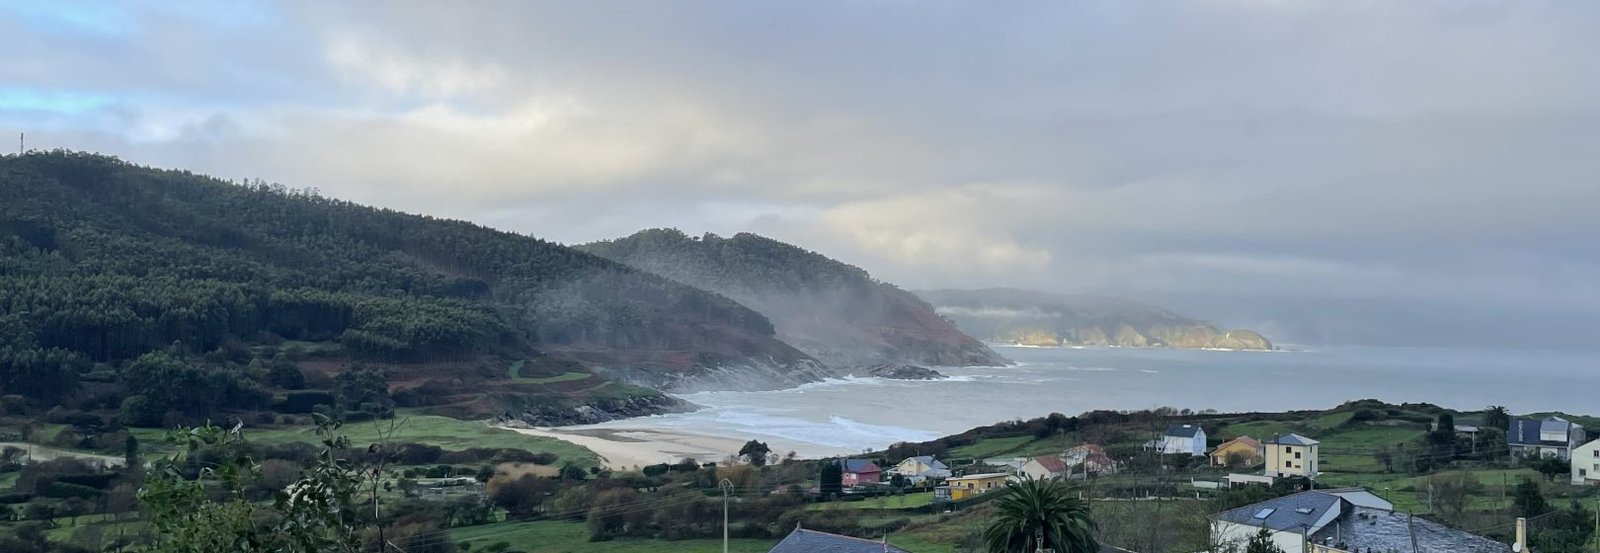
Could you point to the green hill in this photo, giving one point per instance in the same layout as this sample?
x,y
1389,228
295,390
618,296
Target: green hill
x,y
103,262
1028,317
828,309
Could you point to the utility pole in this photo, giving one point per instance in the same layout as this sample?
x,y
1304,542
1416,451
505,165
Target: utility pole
x,y
727,488
22,139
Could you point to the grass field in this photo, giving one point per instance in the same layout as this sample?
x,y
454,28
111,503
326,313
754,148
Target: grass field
x,y
548,536
445,432
908,501
1015,446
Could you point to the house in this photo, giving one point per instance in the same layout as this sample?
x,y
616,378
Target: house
x,y
1586,464
1241,451
1291,455
1182,438
860,472
962,487
920,468
1076,455
1046,467
1097,464
812,541
1342,521
1550,437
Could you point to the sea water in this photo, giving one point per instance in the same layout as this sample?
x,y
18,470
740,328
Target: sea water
x,y
852,414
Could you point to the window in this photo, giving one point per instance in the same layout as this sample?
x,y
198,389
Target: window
x,y
1285,449
1583,472
1297,455
1287,464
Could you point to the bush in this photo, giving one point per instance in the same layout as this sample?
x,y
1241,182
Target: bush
x,y
65,490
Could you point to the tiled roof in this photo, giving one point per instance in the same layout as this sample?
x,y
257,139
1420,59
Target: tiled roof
x,y
1183,430
1086,449
1292,439
859,466
1290,513
812,541
1052,463
1526,432
1367,529
1242,440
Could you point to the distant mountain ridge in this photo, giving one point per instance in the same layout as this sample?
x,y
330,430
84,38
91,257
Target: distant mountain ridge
x,y
833,311
1026,317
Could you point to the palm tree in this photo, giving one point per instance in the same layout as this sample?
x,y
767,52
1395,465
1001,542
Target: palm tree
x,y
1497,416
1033,509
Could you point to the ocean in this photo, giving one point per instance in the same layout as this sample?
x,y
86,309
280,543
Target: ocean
x,y
854,414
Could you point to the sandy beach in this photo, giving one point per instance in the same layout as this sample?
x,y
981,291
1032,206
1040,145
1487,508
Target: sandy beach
x,y
623,448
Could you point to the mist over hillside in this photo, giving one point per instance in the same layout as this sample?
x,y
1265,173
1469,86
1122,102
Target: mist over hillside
x,y
833,311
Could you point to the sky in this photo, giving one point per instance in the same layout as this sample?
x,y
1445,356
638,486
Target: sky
x,y
1350,172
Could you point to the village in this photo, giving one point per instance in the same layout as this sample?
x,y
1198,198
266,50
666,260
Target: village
x,y
1300,507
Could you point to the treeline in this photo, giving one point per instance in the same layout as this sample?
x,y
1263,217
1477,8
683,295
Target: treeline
x,y
102,261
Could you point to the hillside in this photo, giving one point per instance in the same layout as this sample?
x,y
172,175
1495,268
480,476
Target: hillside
x,y
830,310
1027,317
103,262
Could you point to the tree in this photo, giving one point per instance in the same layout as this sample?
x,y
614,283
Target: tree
x,y
1528,499
1453,492
1384,457
283,373
1035,514
364,390
1551,467
1497,416
755,452
1262,543
130,451
831,481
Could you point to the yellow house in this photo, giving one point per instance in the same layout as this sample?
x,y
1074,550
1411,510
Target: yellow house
x,y
1243,451
962,487
1291,455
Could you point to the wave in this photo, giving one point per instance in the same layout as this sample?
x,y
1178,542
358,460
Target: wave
x,y
837,431
1149,371
1094,369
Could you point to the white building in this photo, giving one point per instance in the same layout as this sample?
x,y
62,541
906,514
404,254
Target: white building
x,y
1183,438
1291,455
1586,464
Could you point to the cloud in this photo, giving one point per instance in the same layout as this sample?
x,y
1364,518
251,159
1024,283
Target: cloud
x,y
1253,161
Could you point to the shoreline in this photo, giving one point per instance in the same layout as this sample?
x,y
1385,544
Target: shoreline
x,y
625,448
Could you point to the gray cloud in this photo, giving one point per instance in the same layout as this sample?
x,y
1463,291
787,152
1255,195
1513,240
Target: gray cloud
x,y
1333,172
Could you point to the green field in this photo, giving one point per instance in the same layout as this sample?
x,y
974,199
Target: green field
x,y
1019,446
445,432
908,501
550,536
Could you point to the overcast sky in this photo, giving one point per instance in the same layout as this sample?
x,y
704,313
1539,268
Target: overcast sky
x,y
1328,172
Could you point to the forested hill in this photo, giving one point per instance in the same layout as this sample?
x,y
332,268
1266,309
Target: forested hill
x,y
1042,319
102,261
833,311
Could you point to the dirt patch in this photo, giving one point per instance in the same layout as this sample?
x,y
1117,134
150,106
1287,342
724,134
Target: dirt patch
x,y
517,470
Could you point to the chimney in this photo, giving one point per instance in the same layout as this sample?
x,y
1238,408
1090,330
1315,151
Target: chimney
x,y
1522,535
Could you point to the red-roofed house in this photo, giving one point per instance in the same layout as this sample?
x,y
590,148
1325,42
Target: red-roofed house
x,y
1046,467
859,472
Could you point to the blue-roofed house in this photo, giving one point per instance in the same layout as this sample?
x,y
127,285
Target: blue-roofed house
x,y
1548,437
812,541
1340,520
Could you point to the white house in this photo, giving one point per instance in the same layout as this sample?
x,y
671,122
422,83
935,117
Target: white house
x,y
1341,521
1586,464
919,468
1291,455
1183,438
1551,437
1046,468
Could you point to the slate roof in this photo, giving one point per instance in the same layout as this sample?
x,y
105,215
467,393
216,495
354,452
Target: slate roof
x,y
858,466
1526,432
1052,463
812,541
1367,529
1292,439
1290,513
1183,430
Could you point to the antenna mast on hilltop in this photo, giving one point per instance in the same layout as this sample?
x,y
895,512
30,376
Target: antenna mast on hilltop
x,y
22,139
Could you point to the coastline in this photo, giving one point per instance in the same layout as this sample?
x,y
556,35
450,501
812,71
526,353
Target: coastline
x,y
625,448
